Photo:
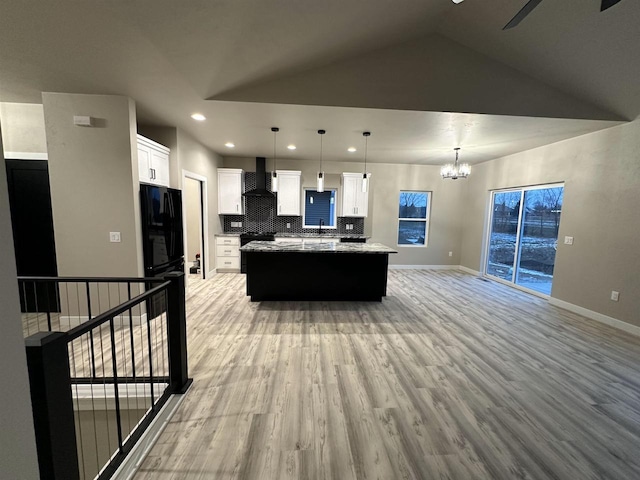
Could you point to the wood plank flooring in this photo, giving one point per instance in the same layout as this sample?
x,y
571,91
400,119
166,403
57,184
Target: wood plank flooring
x,y
450,377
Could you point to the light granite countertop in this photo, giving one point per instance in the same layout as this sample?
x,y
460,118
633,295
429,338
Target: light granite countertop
x,y
302,235
324,234
316,247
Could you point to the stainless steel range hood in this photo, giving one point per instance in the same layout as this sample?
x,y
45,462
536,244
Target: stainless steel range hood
x,y
261,181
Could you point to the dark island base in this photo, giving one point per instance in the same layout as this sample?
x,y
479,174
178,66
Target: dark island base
x,y
316,276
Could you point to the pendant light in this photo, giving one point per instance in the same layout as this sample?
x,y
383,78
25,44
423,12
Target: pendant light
x,y
274,174
455,170
365,175
320,186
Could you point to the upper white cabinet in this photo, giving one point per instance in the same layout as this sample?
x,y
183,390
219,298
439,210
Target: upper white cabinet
x,y
354,200
153,162
288,192
230,188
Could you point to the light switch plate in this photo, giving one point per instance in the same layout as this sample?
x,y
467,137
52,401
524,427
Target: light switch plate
x,y
615,296
568,240
114,237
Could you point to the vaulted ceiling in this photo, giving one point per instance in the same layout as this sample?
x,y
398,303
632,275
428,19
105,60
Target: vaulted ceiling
x,y
423,75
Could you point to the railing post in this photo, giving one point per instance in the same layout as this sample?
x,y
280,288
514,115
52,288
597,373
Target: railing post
x,y
179,380
52,404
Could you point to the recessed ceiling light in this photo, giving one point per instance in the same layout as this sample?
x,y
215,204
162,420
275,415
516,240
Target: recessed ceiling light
x,y
291,147
199,117
229,145
351,149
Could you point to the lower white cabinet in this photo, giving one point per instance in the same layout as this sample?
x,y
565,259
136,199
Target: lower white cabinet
x,y
153,162
228,254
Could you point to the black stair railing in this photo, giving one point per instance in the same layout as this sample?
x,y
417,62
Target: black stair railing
x,y
96,387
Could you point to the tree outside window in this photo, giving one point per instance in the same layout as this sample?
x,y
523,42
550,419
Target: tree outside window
x,y
413,218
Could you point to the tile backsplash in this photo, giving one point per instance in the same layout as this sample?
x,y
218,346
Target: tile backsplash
x,y
260,216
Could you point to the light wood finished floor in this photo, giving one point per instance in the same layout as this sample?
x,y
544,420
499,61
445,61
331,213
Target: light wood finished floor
x,y
450,377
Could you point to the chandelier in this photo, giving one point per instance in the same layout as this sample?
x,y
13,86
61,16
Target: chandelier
x,y
455,170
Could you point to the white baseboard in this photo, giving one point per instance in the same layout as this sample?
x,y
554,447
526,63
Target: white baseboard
x,y
26,156
141,449
598,317
423,267
211,273
70,321
132,395
469,270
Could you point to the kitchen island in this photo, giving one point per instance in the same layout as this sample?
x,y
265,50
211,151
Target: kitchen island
x,y
316,271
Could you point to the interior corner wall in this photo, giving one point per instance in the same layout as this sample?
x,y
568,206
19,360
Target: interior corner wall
x,y
381,224
601,210
191,198
18,457
91,172
196,158
23,128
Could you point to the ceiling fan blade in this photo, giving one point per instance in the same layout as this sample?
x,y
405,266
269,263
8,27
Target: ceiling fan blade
x,y
526,10
607,4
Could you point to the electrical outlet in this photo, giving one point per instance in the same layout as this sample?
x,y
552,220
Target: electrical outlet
x,y
568,240
451,254
615,295
288,225
114,237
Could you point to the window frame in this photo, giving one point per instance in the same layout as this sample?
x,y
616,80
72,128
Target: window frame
x,y
426,220
304,209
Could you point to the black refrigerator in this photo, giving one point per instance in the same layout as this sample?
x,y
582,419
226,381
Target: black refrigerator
x,y
162,239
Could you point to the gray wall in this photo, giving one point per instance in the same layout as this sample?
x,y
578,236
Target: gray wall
x,y
382,222
23,127
601,211
188,154
94,184
196,158
18,458
193,220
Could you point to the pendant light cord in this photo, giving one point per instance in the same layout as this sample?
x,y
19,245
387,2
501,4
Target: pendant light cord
x,y
366,144
321,153
366,149
275,131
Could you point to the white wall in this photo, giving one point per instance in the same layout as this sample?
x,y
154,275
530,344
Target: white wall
x,y
23,127
601,211
18,458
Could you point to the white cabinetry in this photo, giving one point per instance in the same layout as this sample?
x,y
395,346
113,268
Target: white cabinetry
x,y
354,200
153,162
228,254
288,192
230,188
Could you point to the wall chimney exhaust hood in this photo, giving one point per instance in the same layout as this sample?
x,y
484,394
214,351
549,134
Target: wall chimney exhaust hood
x,y
261,181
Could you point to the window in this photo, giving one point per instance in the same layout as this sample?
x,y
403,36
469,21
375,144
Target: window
x,y
523,236
320,207
413,217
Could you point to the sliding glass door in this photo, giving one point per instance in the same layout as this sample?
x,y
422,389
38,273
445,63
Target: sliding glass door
x,y
523,236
